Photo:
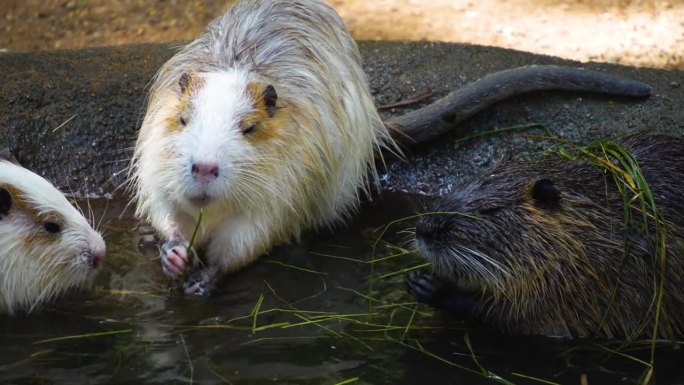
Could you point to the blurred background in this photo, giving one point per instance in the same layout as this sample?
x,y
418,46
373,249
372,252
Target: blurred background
x,y
634,32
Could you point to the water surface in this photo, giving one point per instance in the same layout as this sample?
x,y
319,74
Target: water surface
x,y
316,312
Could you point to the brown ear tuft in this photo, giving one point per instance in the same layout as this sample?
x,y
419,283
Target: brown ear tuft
x,y
184,82
270,98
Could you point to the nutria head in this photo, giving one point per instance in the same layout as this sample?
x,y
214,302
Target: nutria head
x,y
544,244
48,247
518,219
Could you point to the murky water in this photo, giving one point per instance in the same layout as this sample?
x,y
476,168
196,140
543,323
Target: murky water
x,y
317,312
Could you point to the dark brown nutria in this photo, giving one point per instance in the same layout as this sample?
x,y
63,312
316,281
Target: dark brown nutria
x,y
542,247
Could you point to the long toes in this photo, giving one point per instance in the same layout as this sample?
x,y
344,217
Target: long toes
x,y
171,271
417,279
424,287
174,261
197,287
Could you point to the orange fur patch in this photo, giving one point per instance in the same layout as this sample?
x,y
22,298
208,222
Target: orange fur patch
x,y
172,123
266,127
182,109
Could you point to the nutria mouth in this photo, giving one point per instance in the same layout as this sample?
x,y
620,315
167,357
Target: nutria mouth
x,y
201,200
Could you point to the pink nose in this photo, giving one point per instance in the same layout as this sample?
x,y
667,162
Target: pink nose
x,y
98,257
204,171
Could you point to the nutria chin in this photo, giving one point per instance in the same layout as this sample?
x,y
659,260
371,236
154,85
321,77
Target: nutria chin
x,y
540,247
267,125
48,247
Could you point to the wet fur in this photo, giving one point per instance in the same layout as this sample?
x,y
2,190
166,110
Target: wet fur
x,y
542,268
307,161
36,265
297,163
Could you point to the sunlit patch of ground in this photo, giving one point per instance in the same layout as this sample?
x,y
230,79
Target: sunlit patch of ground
x,y
634,32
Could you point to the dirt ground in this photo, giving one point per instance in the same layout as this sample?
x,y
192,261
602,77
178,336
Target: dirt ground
x,y
635,32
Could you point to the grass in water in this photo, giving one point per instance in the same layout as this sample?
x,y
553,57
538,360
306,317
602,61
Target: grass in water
x,y
392,321
387,321
82,336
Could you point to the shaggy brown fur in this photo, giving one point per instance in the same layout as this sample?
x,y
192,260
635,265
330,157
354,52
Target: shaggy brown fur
x,y
545,243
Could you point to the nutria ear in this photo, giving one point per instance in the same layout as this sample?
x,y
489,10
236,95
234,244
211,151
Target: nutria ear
x,y
5,202
184,82
545,194
270,98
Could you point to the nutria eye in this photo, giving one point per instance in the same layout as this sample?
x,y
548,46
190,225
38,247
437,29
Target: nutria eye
x,y
182,121
52,227
249,129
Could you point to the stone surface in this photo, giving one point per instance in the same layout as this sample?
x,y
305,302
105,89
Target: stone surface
x,y
72,116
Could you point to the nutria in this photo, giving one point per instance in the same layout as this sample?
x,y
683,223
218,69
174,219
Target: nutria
x,y
266,124
539,247
48,247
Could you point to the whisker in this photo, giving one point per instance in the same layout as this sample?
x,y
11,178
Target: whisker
x,y
104,213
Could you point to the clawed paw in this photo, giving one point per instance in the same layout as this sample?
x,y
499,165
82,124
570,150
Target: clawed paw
x,y
196,285
174,258
423,286
440,294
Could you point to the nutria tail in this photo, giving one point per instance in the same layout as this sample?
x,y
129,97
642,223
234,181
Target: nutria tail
x,y
435,119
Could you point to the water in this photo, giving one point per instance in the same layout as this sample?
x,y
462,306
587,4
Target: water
x,y
300,315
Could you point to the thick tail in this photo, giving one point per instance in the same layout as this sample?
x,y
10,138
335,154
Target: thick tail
x,y
437,118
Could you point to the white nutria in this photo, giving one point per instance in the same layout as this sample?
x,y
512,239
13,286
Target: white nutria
x,y
48,247
267,125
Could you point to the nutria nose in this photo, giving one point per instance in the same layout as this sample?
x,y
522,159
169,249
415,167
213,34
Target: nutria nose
x,y
98,256
423,230
205,171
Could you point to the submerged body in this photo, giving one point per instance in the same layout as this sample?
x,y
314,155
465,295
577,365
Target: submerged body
x,y
266,124
48,247
543,247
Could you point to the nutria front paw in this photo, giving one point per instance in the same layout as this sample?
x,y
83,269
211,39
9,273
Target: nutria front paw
x,y
194,285
440,294
174,257
424,287
200,283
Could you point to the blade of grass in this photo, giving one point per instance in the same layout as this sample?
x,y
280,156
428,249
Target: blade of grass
x,y
82,336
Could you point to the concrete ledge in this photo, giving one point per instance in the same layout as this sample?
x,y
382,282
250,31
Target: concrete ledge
x,y
72,116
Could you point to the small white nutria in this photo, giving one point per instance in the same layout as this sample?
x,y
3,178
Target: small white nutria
x,y
267,125
48,247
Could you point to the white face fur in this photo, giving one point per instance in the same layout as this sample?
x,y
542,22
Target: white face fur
x,y
48,246
212,134
204,126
